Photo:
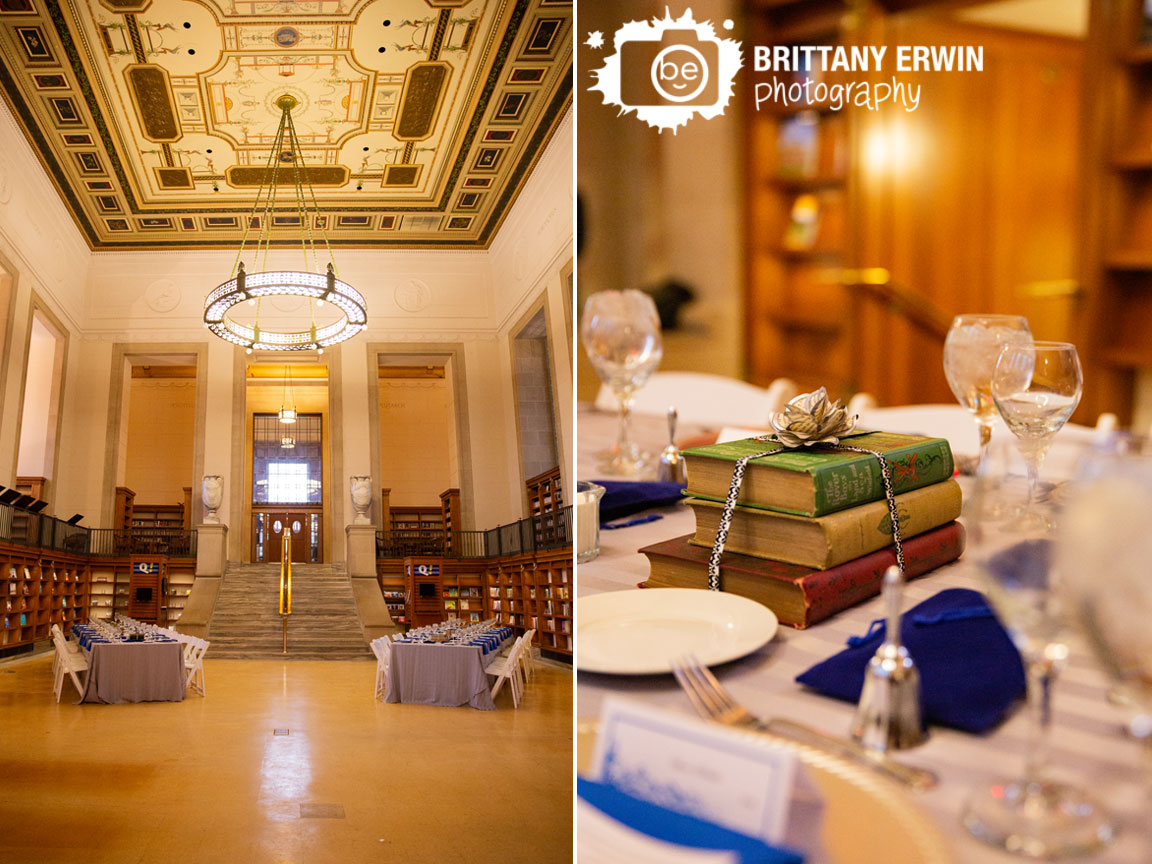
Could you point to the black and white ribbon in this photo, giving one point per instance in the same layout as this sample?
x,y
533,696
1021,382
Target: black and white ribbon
x,y
738,481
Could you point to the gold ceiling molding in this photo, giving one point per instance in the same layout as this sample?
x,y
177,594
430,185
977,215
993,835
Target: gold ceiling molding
x,y
419,120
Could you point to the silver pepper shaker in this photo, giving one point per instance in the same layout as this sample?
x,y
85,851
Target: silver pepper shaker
x,y
888,716
671,462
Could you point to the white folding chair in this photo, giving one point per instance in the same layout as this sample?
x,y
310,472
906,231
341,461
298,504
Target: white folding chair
x,y
69,662
527,659
72,647
194,650
508,669
382,648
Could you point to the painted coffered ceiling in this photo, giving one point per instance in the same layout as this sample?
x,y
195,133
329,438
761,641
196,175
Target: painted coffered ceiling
x,y
417,120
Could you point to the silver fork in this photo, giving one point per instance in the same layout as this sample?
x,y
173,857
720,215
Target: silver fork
x,y
713,702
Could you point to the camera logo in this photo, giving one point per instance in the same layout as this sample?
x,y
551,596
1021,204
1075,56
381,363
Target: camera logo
x,y
669,70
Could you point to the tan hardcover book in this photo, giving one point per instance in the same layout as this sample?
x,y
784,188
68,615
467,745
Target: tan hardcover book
x,y
825,541
800,596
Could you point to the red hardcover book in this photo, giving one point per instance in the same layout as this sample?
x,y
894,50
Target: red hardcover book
x,y
800,596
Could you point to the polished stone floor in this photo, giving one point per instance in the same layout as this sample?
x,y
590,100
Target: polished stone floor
x,y
354,780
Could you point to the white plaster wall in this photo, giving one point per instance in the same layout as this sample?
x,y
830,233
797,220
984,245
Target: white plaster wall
x,y
83,433
33,459
220,412
36,230
528,260
160,295
45,256
354,424
102,298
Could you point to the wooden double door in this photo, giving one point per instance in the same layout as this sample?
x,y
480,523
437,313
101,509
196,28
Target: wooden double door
x,y
305,525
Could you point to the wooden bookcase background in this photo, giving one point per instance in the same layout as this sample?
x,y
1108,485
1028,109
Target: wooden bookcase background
x,y
969,203
38,589
1118,184
522,591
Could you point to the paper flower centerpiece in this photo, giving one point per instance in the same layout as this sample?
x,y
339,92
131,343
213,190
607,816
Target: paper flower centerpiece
x,y
811,419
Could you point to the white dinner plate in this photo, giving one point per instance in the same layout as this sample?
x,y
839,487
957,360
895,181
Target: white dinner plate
x,y
640,632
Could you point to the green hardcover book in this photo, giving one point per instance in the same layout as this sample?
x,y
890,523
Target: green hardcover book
x,y
814,481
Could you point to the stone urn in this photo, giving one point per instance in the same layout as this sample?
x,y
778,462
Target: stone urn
x,y
212,494
361,489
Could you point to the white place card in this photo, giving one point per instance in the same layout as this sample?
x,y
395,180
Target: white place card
x,y
730,778
603,840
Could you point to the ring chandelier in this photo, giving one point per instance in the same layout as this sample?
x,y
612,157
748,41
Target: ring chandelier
x,y
316,287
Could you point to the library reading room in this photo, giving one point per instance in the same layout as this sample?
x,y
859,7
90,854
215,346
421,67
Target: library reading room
x,y
286,389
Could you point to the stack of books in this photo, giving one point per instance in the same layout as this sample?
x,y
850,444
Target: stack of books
x,y
811,533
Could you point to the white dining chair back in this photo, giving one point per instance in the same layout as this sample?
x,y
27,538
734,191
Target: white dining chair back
x,y
705,399
194,651
382,649
527,660
66,662
508,669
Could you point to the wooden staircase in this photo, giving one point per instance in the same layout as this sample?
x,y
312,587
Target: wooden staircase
x,y
324,624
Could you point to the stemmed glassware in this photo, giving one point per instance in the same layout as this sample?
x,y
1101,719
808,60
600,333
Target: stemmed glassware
x,y
620,331
1103,551
970,352
1036,388
1031,815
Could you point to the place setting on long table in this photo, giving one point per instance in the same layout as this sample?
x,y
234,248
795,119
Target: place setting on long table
x,y
890,636
446,663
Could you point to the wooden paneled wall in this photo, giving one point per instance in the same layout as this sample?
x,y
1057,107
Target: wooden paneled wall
x,y
971,202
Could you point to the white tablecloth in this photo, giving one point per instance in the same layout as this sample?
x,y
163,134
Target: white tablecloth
x,y
1088,747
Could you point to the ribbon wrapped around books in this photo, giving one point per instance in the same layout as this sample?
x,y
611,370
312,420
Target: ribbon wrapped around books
x,y
808,420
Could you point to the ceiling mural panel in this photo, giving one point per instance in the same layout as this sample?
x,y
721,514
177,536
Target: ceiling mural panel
x,y
417,120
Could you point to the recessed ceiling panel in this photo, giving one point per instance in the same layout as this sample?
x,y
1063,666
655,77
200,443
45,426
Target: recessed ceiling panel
x,y
418,120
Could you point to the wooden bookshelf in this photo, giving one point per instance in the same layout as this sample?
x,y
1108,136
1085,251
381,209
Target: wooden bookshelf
x,y
416,518
158,516
39,590
450,515
1118,243
122,511
545,492
181,576
521,591
797,209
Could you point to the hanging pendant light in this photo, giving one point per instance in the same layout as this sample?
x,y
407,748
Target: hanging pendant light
x,y
287,442
316,286
287,414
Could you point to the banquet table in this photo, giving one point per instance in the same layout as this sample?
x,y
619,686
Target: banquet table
x,y
1088,745
134,672
433,673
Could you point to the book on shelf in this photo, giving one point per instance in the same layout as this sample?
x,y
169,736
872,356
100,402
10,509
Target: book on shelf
x,y
825,541
809,482
800,596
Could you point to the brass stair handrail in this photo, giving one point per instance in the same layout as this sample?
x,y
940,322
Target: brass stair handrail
x,y
286,582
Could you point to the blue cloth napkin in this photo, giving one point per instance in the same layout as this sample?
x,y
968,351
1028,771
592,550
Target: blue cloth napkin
x,y
970,672
625,497
672,827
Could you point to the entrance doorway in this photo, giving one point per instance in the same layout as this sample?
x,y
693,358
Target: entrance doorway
x,y
287,487
304,525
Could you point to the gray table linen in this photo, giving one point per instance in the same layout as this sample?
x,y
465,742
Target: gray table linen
x,y
135,672
424,673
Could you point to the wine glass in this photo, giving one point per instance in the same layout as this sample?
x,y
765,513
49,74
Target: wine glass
x,y
1031,815
970,352
1036,388
1103,551
620,331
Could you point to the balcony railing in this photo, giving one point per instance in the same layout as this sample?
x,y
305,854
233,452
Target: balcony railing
x,y
536,533
40,531
116,542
